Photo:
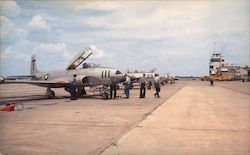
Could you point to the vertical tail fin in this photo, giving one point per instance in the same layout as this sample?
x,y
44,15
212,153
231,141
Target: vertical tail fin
x,y
33,67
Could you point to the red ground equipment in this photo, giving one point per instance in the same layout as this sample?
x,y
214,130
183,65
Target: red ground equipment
x,y
8,107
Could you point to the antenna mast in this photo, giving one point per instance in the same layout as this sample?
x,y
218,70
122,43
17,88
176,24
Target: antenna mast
x,y
214,47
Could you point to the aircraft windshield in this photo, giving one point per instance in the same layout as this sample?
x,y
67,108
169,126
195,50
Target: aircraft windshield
x,y
118,72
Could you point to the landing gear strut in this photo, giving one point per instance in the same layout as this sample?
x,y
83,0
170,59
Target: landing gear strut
x,y
104,92
81,91
50,93
105,96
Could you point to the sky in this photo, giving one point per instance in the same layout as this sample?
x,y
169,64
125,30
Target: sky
x,y
175,37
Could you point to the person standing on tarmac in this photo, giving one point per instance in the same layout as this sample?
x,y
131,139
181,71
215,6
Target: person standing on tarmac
x,y
142,86
113,89
157,85
73,88
211,81
127,85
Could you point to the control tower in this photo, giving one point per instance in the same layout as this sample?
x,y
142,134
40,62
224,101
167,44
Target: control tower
x,y
217,61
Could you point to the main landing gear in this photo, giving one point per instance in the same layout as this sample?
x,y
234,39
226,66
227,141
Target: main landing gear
x,y
80,91
50,93
104,92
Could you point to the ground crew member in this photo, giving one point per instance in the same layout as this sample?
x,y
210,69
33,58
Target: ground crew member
x,y
113,89
127,85
142,86
73,88
157,85
211,82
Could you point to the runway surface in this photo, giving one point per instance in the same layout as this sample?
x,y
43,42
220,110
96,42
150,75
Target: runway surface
x,y
190,118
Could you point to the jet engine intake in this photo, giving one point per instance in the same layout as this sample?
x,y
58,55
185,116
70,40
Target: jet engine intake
x,y
80,80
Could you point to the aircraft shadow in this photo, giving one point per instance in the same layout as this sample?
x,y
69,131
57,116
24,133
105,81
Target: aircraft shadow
x,y
5,100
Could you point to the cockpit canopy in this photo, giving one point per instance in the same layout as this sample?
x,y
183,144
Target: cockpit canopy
x,y
118,72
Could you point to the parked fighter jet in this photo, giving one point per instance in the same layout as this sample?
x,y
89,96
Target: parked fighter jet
x,y
135,78
167,79
86,76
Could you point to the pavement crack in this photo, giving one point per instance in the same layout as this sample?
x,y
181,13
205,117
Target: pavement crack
x,y
68,124
216,130
235,90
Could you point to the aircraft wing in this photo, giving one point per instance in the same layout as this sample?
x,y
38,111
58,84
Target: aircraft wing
x,y
43,83
20,77
81,81
79,58
57,83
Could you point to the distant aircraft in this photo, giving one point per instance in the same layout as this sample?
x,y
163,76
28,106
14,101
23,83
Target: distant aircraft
x,y
135,78
85,77
167,78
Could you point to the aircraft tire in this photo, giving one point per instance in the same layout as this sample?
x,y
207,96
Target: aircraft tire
x,y
51,94
105,96
81,91
19,106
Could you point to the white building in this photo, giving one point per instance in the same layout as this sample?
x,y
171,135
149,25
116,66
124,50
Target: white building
x,y
217,61
218,67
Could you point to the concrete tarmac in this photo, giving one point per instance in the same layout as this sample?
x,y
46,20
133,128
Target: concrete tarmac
x,y
60,126
190,118
197,120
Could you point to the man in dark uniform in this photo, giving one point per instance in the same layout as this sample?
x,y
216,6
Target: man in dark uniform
x,y
211,81
113,89
142,86
73,88
157,85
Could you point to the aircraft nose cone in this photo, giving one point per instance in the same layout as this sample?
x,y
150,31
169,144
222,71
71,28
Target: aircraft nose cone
x,y
117,79
122,79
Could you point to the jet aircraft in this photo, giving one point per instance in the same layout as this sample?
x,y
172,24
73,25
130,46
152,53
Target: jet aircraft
x,y
135,78
85,77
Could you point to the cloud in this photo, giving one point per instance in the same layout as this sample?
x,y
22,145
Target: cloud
x,y
38,22
154,20
6,52
104,6
10,53
98,53
13,62
10,8
10,32
167,35
57,48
